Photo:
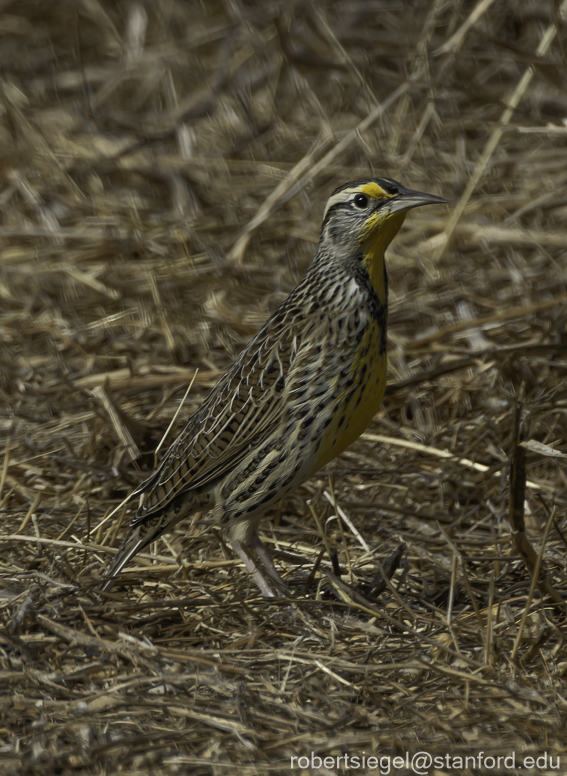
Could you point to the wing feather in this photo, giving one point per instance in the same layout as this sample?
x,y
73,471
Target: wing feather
x,y
239,413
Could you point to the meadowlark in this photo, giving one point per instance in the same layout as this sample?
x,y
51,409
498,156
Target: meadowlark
x,y
305,387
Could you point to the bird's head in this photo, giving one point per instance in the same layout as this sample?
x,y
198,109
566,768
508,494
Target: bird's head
x,y
362,217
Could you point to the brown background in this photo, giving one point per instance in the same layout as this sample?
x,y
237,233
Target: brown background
x,y
163,171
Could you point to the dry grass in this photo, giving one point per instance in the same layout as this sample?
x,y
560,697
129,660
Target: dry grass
x,y
164,168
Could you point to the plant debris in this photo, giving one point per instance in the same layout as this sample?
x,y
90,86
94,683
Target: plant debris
x,y
164,170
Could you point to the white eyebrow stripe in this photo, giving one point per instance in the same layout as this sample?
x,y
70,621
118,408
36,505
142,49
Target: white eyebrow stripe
x,y
341,196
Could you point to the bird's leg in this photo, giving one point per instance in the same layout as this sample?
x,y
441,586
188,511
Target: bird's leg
x,y
252,569
262,552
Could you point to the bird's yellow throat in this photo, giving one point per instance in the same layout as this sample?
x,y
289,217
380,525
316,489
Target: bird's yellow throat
x,y
377,236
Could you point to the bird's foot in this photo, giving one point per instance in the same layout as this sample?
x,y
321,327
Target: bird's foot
x,y
253,568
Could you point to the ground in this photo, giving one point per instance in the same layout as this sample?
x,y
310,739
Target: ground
x,y
164,167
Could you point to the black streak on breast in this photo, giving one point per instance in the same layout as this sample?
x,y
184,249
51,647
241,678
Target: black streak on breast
x,y
377,310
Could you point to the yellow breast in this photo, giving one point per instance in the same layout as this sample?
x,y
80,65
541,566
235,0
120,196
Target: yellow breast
x,y
359,402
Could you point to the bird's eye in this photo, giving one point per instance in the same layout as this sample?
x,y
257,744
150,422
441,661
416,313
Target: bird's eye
x,y
360,200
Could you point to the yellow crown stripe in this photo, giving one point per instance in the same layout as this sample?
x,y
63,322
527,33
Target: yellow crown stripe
x,y
371,189
375,191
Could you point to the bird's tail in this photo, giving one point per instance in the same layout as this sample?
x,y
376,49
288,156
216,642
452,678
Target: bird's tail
x,y
147,530
138,537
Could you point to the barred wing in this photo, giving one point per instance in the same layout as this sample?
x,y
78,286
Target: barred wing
x,y
239,414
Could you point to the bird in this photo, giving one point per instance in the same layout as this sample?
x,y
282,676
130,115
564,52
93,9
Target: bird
x,y
302,391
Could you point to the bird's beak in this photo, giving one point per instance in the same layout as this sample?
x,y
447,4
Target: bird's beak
x,y
406,199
